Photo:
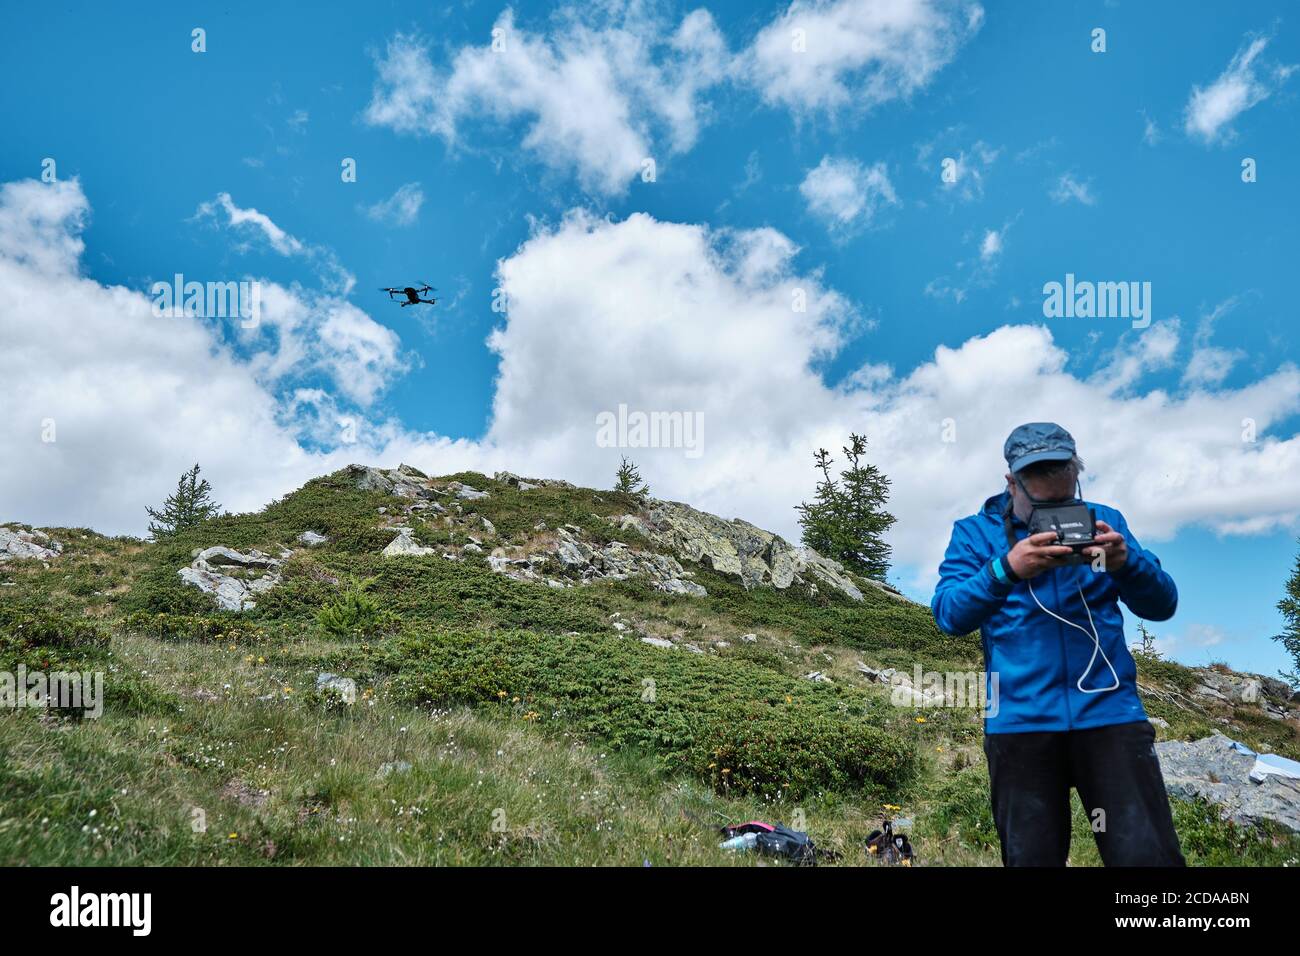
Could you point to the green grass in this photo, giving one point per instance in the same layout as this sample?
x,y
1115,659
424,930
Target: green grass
x,y
576,764
742,728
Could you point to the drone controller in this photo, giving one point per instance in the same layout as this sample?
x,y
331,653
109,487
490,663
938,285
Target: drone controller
x,y
1075,526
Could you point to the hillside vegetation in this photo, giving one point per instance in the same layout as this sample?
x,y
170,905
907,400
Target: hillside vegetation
x,y
514,704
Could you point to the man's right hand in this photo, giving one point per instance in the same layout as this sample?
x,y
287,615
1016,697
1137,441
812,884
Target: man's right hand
x,y
1037,553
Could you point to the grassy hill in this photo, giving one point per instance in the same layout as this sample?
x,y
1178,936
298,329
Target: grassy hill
x,y
496,720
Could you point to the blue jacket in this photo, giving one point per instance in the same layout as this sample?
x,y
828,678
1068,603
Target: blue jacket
x,y
1037,660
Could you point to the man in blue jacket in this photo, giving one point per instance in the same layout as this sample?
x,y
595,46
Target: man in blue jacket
x,y
1067,712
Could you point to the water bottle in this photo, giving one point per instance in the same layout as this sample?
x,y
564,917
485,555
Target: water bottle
x,y
746,841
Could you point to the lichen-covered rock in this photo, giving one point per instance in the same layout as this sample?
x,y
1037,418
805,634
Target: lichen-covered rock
x,y
405,546
208,573
17,545
737,548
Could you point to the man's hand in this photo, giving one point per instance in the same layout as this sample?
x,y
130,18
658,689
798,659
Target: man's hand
x,y
1037,553
1111,544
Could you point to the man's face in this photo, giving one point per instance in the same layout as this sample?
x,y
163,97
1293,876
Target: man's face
x,y
1057,488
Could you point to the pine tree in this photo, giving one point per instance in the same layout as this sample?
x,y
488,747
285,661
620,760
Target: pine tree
x,y
1290,637
1147,647
190,505
846,520
628,480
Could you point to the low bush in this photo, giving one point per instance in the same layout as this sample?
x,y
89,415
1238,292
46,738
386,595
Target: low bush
x,y
740,726
355,613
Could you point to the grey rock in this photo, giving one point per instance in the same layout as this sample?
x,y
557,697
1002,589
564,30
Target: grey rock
x,y
658,642
231,593
1211,770
678,586
34,545
344,688
466,492
737,548
749,638
311,539
370,479
404,545
220,557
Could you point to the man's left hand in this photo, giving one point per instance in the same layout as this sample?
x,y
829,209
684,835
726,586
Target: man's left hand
x,y
1111,545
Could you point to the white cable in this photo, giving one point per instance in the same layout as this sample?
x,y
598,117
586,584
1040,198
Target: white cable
x,y
1096,643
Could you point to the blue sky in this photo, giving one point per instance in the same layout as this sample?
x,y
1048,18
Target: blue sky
x,y
1123,165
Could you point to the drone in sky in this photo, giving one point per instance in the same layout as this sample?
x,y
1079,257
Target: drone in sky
x,y
413,295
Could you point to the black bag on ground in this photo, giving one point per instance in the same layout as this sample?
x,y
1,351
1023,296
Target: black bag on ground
x,y
789,845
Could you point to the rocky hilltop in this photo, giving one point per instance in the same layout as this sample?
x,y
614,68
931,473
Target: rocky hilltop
x,y
737,548
353,673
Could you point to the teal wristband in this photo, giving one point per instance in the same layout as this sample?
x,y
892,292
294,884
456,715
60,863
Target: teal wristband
x,y
1002,571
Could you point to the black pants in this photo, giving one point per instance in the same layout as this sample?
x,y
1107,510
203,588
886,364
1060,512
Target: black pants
x,y
1117,774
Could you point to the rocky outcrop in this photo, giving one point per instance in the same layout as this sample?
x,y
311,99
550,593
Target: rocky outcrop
x,y
1273,696
586,562
529,484
18,545
758,558
1215,770
402,481
741,549
233,578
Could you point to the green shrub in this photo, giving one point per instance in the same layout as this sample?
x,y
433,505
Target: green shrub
x,y
773,735
23,625
221,628
963,809
355,613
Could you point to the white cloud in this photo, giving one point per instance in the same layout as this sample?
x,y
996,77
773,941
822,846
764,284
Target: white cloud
x,y
830,54
1151,134
609,85
1210,364
961,171
659,316
1068,188
254,224
730,348
845,193
973,272
136,398
402,208
605,89
991,246
1137,353
1211,110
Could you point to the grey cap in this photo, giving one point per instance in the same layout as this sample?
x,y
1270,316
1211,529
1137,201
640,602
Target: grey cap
x,y
1037,441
